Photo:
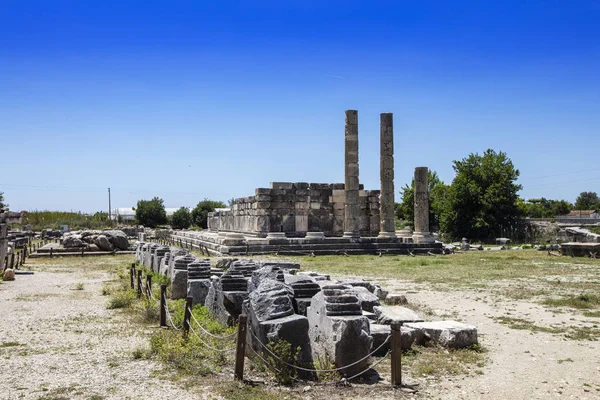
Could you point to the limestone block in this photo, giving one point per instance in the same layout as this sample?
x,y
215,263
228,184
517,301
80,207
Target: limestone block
x,y
179,284
395,299
366,299
9,275
408,337
344,339
450,334
380,293
388,315
103,244
293,329
269,272
198,290
272,299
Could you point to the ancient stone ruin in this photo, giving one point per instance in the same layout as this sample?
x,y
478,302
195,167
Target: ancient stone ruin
x,y
322,218
341,322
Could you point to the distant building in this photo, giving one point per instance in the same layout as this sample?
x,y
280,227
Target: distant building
x,y
124,214
127,214
580,214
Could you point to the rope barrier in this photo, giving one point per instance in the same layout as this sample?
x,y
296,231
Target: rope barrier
x,y
318,370
207,332
206,344
149,291
263,360
372,366
170,318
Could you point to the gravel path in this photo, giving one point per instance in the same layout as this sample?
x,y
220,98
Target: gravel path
x,y
57,342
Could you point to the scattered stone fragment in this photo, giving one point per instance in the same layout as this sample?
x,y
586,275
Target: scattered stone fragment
x,y
9,275
395,299
388,315
450,334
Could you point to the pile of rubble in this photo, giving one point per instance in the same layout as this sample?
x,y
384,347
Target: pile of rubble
x,y
342,322
93,240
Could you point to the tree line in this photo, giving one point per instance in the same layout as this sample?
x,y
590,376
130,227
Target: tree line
x,y
152,213
482,202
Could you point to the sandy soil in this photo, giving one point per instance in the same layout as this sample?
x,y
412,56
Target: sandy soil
x,y
521,364
61,343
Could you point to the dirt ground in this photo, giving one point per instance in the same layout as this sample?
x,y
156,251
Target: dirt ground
x,y
58,341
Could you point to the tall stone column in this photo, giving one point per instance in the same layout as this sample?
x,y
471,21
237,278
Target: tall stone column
x,y
351,188
386,137
421,232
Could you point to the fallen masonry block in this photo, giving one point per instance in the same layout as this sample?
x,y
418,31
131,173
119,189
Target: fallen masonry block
x,y
179,276
450,334
338,330
360,283
198,280
226,297
366,299
387,315
315,275
395,299
408,337
263,273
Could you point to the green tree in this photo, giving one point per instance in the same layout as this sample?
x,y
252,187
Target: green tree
x,y
151,213
545,208
482,201
181,219
2,204
200,212
437,196
587,201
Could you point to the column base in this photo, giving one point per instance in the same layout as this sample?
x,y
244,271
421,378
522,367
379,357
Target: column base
x,y
422,237
387,235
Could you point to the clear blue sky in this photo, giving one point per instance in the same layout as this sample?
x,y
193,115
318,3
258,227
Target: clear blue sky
x,y
195,99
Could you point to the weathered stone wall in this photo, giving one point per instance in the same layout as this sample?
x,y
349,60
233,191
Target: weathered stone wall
x,y
297,208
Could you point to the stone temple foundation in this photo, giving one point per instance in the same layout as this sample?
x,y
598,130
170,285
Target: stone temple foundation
x,y
322,218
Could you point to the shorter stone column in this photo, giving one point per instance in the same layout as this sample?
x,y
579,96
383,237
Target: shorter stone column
x,y
421,233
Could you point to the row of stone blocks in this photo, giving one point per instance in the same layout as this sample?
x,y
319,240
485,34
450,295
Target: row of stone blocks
x,y
340,322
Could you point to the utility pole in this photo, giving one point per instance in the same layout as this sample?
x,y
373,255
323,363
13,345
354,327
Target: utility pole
x,y
109,212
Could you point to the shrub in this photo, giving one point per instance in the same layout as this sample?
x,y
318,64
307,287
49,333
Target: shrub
x,y
121,299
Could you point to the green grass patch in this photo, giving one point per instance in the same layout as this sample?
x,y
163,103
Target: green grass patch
x,y
582,301
457,269
438,361
569,332
592,314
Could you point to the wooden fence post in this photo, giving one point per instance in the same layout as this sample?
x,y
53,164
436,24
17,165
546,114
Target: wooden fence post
x,y
396,354
12,260
163,305
139,283
240,351
132,275
50,252
187,316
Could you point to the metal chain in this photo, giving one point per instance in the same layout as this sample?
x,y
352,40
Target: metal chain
x,y
318,370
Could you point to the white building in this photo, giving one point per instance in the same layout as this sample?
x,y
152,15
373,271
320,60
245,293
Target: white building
x,y
127,214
